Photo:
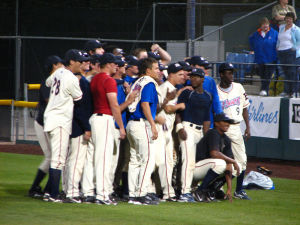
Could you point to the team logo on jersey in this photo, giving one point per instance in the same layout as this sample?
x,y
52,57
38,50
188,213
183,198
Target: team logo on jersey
x,y
296,113
230,102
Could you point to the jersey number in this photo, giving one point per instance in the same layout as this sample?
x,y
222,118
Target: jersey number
x,y
237,110
57,84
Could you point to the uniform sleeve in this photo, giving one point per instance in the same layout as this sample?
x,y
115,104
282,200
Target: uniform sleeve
x,y
74,89
110,85
49,81
244,97
148,93
183,97
216,104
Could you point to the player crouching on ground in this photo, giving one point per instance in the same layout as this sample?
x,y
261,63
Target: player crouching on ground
x,y
214,158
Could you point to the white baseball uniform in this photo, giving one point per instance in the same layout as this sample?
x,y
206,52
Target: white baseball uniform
x,y
233,100
59,113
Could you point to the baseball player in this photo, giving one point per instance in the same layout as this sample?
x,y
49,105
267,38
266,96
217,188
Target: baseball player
x,y
209,85
81,133
234,102
164,150
51,65
131,69
59,113
142,132
192,123
93,47
106,109
214,158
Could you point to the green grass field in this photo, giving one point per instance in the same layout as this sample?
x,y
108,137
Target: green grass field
x,y
276,207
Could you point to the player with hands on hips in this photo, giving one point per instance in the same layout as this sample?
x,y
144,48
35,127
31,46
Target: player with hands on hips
x,y
191,124
234,101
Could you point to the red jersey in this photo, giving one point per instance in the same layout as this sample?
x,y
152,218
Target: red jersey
x,y
102,84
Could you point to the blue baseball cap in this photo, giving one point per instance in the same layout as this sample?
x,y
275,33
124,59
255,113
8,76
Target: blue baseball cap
x,y
50,61
174,68
107,58
185,65
92,45
197,71
75,55
120,61
95,58
226,66
200,61
132,60
223,117
154,55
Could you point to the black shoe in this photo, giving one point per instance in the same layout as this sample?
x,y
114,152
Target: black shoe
x,y
88,199
153,196
171,199
201,196
36,192
145,200
220,194
62,195
72,200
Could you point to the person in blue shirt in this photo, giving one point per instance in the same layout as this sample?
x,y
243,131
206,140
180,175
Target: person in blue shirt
x,y
142,132
209,85
263,43
131,69
191,124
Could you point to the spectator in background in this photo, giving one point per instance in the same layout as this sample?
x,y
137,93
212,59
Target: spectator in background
x,y
288,49
279,12
263,43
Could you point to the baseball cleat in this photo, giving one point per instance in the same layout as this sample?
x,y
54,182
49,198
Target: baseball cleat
x,y
36,192
201,196
133,200
88,199
46,197
188,197
105,202
72,200
146,200
241,195
56,200
171,199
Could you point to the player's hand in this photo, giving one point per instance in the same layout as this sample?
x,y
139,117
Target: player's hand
x,y
171,95
154,132
182,134
87,135
132,96
122,134
160,120
247,134
155,48
237,168
127,87
228,196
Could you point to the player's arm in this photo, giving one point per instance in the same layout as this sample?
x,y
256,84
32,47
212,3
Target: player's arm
x,y
179,127
228,177
170,96
165,56
115,109
128,100
246,119
219,155
147,112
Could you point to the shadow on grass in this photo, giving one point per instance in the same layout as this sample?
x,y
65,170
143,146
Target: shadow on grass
x,y
20,190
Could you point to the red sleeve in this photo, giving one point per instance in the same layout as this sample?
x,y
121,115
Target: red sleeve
x,y
110,85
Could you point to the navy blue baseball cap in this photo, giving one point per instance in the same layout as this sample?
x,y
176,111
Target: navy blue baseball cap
x,y
188,60
197,71
75,55
107,58
223,117
132,60
120,61
95,58
162,66
226,66
185,65
50,61
154,55
200,61
92,45
174,68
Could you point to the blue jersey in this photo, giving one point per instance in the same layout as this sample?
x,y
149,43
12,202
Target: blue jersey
x,y
197,106
130,80
149,94
121,98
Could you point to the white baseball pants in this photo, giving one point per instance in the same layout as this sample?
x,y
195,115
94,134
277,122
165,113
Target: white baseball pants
x,y
103,138
87,183
237,145
142,157
188,148
44,141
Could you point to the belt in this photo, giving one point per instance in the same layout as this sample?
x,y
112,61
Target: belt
x,y
138,119
198,127
99,114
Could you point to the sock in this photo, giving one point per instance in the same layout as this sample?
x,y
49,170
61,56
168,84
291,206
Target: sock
x,y
209,177
125,188
38,179
239,182
48,186
54,177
